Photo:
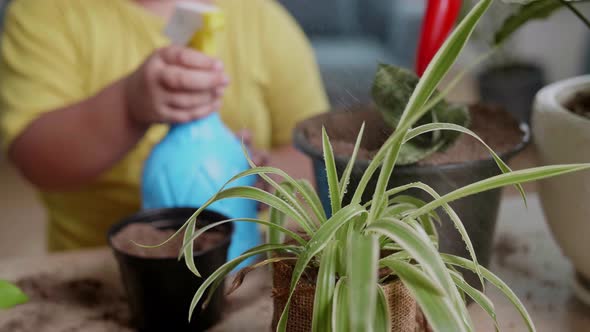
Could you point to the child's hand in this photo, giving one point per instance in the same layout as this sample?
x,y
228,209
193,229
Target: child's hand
x,y
175,84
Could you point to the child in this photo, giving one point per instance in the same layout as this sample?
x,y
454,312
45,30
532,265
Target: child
x,y
87,88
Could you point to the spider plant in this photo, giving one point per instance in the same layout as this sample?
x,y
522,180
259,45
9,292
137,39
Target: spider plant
x,y
346,247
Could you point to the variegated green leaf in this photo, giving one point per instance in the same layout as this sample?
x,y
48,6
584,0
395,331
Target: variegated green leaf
x,y
316,244
362,258
217,277
324,291
428,257
331,173
383,316
439,311
480,298
346,175
497,282
521,176
340,317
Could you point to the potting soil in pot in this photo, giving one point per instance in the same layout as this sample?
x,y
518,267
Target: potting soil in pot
x,y
147,234
496,127
579,104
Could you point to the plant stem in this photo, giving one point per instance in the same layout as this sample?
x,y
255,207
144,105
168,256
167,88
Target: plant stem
x,y
576,12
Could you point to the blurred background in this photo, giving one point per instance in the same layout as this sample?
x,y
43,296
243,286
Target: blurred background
x,y
350,38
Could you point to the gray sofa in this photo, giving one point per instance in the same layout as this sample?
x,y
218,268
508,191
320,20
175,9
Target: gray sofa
x,y
351,37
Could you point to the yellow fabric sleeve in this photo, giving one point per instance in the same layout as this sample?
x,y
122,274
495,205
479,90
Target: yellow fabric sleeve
x,y
295,89
38,66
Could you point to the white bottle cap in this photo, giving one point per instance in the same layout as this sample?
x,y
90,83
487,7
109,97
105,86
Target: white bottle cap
x,y
186,20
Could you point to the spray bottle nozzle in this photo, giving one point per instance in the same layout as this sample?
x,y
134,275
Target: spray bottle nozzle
x,y
196,25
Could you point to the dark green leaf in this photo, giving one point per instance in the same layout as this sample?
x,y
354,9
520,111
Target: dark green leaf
x,y
535,10
392,90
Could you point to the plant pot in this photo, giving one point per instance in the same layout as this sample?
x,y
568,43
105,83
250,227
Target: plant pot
x,y
562,137
512,87
477,212
160,290
405,316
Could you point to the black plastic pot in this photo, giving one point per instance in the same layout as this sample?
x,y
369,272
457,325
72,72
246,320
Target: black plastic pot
x,y
478,212
513,87
160,290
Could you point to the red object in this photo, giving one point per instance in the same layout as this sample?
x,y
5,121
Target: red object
x,y
438,22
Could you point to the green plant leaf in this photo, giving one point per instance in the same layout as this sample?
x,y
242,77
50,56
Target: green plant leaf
x,y
317,243
216,278
324,291
410,272
345,179
383,180
238,192
453,127
480,298
498,181
421,249
340,317
426,221
241,275
438,309
310,195
435,100
534,10
497,282
382,316
11,295
392,89
270,225
276,217
446,207
331,173
362,260
441,64
189,227
287,189
435,72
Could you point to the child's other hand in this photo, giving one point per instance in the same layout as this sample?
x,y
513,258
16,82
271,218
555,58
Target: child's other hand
x,y
174,85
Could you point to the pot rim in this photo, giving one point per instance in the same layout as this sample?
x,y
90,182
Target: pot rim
x,y
302,143
210,216
553,95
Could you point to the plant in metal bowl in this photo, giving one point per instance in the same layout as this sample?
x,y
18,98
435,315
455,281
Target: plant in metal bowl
x,y
349,251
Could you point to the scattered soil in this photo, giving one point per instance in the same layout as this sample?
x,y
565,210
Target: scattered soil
x,y
495,126
580,104
87,305
147,234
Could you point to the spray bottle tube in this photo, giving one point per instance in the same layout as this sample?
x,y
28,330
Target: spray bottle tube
x,y
196,159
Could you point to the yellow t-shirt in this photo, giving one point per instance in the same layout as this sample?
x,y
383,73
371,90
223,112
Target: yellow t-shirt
x,y
57,52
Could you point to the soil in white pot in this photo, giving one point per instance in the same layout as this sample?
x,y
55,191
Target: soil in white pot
x,y
148,234
580,104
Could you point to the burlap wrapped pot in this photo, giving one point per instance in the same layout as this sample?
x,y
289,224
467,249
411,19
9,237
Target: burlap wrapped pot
x,y
405,315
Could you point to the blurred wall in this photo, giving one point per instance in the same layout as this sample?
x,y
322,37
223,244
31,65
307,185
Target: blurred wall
x,y
561,44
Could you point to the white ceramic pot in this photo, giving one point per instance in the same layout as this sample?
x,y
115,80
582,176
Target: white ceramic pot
x,y
562,137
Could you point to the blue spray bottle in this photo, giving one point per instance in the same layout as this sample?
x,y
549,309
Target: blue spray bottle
x,y
195,159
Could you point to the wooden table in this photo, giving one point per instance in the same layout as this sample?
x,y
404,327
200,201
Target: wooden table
x,y
526,258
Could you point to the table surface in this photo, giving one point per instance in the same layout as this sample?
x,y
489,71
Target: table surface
x,y
526,257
